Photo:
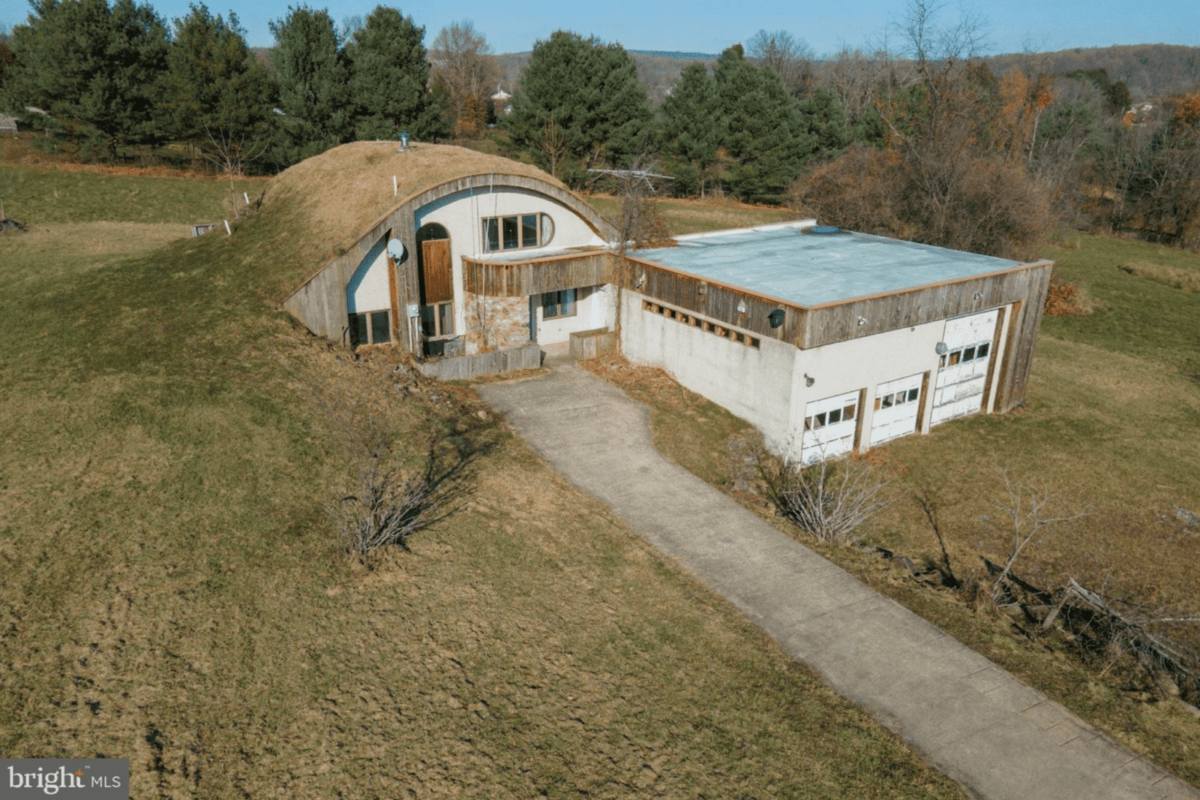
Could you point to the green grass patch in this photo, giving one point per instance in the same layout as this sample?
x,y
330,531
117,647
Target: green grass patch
x,y
174,593
37,195
1137,315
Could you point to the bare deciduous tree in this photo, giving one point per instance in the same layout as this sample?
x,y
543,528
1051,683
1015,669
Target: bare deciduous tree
x,y
856,77
785,55
462,60
1025,510
230,152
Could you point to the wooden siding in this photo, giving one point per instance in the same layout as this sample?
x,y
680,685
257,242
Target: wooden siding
x,y
321,304
526,278
716,300
853,319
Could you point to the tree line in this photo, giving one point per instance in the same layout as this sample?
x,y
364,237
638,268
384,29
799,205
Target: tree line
x,y
923,141
113,75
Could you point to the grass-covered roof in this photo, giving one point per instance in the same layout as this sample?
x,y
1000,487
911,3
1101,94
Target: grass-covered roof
x,y
335,197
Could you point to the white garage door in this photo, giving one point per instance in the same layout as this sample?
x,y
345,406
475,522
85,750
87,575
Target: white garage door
x,y
962,372
896,406
829,426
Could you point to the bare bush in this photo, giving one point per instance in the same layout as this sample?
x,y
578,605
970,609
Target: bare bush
x,y
390,503
828,499
397,483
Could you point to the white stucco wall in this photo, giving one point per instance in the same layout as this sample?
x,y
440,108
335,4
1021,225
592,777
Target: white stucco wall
x,y
767,386
462,214
368,289
752,383
594,308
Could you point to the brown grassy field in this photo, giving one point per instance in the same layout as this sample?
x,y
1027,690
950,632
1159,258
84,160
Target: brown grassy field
x,y
694,216
175,593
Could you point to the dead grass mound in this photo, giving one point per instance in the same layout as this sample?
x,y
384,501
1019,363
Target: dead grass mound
x,y
1066,299
618,369
336,196
1185,280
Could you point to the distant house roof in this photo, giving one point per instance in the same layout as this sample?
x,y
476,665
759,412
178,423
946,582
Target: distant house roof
x,y
791,263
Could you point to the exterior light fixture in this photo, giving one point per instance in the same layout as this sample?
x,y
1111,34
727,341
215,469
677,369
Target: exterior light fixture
x,y
808,380
641,279
862,321
941,349
977,296
775,318
741,308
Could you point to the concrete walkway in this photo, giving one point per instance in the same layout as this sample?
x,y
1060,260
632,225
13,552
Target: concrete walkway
x,y
969,718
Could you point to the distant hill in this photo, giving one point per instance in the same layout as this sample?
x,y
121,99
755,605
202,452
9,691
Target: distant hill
x,y
1149,70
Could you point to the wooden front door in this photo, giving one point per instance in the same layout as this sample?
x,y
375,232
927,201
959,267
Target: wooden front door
x,y
437,276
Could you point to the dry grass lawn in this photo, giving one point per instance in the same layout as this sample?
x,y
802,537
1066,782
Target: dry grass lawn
x,y
175,594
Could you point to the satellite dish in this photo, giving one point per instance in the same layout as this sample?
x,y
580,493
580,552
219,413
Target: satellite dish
x,y
396,250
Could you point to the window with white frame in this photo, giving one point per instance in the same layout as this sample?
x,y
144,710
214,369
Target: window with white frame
x,y
517,232
558,304
370,327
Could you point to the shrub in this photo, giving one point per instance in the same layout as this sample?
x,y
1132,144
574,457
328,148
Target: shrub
x,y
391,503
828,499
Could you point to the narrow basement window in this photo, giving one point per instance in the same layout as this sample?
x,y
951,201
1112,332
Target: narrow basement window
x,y
370,327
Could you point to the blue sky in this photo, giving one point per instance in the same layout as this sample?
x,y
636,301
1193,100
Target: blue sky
x,y
712,25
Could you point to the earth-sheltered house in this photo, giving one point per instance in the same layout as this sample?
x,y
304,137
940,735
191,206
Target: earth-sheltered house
x,y
828,341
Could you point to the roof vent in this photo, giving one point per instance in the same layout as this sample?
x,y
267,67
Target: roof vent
x,y
823,230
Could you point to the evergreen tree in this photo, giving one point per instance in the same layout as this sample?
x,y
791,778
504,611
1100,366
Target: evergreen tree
x,y
314,87
218,95
95,70
390,79
688,131
761,129
585,95
822,116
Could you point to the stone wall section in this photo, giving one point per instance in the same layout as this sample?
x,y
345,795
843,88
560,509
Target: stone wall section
x,y
495,323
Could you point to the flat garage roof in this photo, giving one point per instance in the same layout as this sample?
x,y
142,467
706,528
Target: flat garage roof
x,y
809,269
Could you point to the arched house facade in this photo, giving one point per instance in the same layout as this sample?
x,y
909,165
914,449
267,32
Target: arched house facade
x,y
828,341
476,263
